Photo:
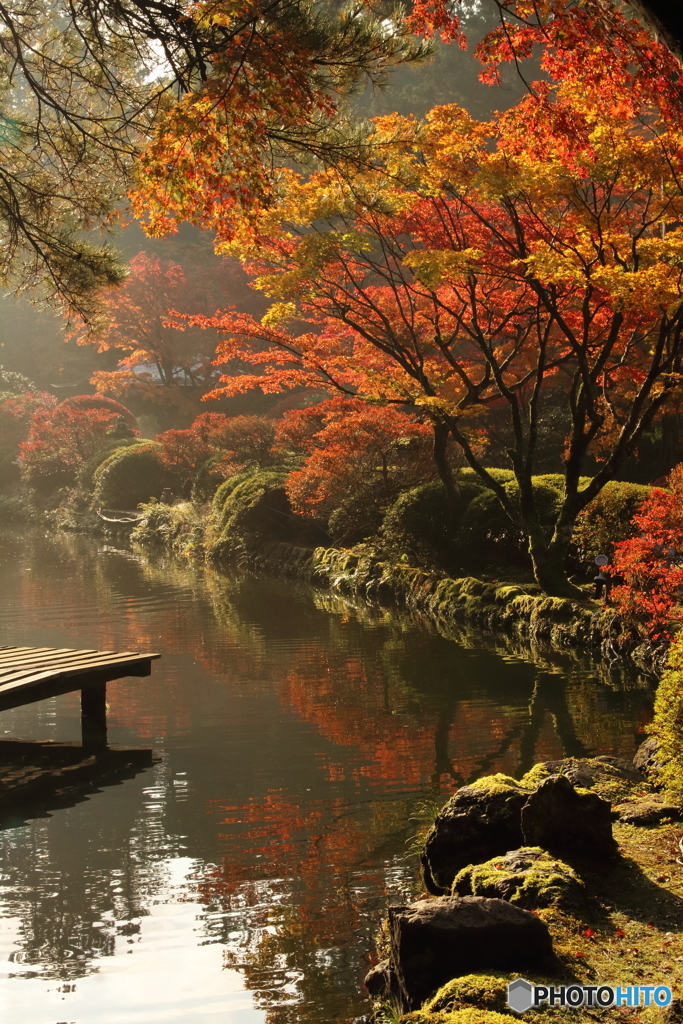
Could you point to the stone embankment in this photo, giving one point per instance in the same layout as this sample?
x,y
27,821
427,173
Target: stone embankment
x,y
555,878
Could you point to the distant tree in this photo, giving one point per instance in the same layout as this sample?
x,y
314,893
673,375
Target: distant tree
x,y
161,363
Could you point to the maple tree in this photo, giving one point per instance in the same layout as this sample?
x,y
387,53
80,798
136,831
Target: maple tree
x,y
158,362
348,447
61,439
241,441
476,266
649,564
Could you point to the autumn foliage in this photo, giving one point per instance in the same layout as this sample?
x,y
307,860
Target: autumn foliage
x,y
240,441
62,438
650,563
348,447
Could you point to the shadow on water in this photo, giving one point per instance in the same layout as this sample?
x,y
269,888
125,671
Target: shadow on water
x,y
296,734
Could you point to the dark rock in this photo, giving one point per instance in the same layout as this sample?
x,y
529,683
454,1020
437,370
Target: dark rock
x,y
529,878
568,823
646,755
379,981
477,823
435,940
649,810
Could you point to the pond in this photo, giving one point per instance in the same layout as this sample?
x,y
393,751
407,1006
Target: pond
x,y
296,740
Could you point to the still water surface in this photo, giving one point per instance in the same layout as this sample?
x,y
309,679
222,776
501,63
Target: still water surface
x,y
240,879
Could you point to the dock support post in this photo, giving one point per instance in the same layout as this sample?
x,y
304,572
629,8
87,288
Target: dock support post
x,y
94,718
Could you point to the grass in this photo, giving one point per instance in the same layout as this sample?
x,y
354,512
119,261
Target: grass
x,y
631,933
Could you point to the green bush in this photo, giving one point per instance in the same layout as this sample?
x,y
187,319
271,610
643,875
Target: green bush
x,y
359,517
206,482
501,476
255,508
86,473
225,490
486,527
608,519
131,476
418,521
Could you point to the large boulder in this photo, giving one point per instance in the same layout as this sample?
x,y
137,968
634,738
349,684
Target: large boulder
x,y
529,878
612,778
435,940
568,823
650,809
646,756
478,822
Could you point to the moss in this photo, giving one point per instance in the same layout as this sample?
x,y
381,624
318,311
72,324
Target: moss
x,y
528,877
498,783
131,476
667,724
485,991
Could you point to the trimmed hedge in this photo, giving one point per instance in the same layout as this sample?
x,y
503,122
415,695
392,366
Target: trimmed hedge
x,y
607,520
86,473
131,475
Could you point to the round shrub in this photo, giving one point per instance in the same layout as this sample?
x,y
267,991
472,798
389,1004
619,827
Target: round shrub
x,y
501,476
255,509
132,475
486,527
418,522
607,520
87,471
206,481
359,517
225,490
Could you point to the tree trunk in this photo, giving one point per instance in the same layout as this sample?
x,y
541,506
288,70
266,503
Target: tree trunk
x,y
548,560
441,435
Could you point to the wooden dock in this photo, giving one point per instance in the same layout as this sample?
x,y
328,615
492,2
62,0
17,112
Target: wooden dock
x,y
29,674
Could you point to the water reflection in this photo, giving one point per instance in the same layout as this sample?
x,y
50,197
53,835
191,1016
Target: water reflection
x,y
296,736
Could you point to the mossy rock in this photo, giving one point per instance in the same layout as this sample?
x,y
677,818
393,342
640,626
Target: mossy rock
x,y
480,821
528,877
131,475
667,725
483,991
86,473
612,778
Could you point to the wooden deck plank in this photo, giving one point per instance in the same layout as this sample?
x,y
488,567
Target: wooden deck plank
x,y
14,671
54,656
28,676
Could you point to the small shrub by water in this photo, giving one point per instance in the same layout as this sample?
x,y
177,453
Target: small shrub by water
x,y
132,475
